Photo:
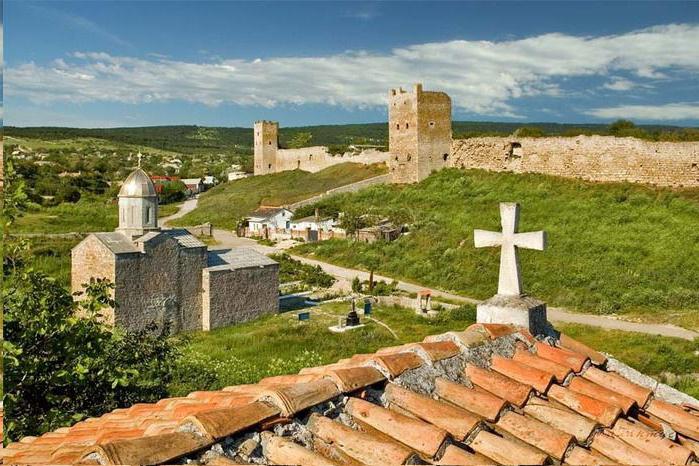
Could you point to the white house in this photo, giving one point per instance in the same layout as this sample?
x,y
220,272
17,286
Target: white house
x,y
210,181
313,223
277,218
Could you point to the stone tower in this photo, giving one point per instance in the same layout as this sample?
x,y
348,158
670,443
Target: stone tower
x,y
266,145
419,133
138,205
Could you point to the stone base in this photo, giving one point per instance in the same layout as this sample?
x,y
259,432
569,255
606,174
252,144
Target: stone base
x,y
522,311
344,328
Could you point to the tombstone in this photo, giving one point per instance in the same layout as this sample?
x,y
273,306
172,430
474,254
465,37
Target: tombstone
x,y
352,317
510,305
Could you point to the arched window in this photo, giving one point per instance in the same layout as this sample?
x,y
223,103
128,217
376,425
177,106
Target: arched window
x,y
149,214
407,125
397,125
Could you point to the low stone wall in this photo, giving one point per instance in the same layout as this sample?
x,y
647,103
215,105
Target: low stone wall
x,y
594,158
348,188
205,229
316,158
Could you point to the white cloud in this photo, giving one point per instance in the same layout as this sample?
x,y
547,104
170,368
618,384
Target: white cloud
x,y
666,112
481,76
619,84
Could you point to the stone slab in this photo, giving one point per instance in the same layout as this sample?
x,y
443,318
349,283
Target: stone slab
x,y
522,311
344,328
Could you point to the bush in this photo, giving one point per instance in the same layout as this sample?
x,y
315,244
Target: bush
x,y
291,270
63,364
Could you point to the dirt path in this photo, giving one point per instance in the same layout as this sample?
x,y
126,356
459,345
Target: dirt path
x,y
227,239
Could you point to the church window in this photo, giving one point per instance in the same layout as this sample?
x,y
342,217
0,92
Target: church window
x,y
269,166
445,157
407,125
149,215
397,125
432,124
270,143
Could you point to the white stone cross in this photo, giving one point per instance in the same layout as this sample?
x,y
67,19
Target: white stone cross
x,y
510,281
140,156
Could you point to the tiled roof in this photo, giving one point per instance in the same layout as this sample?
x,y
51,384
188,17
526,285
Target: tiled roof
x,y
490,394
266,212
238,258
117,242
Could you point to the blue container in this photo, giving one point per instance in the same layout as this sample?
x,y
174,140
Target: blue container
x,y
304,315
367,308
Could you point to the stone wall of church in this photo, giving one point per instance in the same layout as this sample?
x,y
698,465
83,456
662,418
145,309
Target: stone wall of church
x,y
594,158
235,296
91,259
160,286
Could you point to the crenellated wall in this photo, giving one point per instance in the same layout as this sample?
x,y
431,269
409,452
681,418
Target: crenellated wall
x,y
594,158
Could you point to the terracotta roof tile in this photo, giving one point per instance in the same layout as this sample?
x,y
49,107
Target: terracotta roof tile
x,y
354,378
504,387
396,364
339,442
579,456
435,351
535,433
523,373
493,331
569,343
559,371
456,421
280,450
602,412
422,437
455,455
475,400
289,379
598,392
147,450
560,418
466,339
677,417
505,451
617,450
222,422
618,384
688,443
651,442
575,361
291,399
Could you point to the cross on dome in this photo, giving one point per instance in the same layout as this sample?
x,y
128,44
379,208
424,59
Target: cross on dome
x,y
510,280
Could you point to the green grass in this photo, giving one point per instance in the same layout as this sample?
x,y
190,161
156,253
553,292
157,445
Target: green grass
x,y
280,344
670,360
84,216
226,204
165,210
613,248
52,256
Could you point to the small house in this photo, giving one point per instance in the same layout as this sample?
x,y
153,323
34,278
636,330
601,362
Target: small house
x,y
268,219
194,185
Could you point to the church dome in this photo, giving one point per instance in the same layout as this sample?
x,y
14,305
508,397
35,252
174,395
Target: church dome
x,y
138,184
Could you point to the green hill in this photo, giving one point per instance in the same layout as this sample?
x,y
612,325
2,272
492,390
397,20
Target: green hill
x,y
614,248
227,203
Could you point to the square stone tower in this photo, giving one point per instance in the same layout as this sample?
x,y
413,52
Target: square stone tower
x,y
266,146
419,133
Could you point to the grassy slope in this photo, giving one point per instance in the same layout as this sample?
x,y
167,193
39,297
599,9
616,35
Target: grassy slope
x,y
84,216
612,247
225,204
280,344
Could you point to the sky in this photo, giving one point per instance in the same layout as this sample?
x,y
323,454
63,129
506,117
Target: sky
x,y
141,63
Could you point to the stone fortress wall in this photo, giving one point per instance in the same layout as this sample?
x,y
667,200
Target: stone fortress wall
x,y
269,158
420,142
593,158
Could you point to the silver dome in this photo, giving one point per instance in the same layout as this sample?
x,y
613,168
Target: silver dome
x,y
138,184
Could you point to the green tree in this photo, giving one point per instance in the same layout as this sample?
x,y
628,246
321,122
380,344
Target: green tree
x,y
529,132
64,364
621,125
173,191
299,140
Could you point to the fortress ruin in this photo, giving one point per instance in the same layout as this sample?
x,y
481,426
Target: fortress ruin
x,y
420,142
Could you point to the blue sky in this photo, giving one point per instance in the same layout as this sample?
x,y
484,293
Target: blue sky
x,y
95,64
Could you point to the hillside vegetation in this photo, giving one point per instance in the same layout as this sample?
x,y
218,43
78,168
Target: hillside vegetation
x,y
613,248
225,205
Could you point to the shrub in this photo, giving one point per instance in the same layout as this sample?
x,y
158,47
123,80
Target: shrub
x,y
63,364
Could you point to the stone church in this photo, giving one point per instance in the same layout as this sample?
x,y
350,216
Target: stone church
x,y
168,275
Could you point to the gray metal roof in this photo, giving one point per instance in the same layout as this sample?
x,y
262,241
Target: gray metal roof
x,y
137,184
184,238
237,258
117,242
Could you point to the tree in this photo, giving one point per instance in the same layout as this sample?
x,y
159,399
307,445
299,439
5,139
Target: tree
x,y
621,125
173,191
62,363
299,140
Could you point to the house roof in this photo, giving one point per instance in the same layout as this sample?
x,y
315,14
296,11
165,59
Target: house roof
x,y
489,394
311,218
237,258
117,242
191,181
266,212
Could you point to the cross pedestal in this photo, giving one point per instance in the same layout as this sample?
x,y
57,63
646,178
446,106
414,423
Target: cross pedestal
x,y
510,305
